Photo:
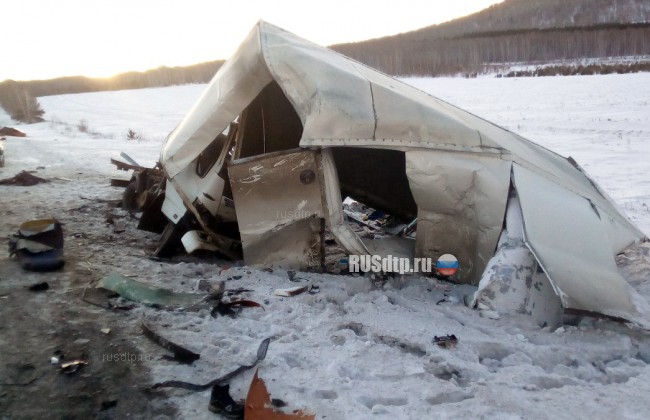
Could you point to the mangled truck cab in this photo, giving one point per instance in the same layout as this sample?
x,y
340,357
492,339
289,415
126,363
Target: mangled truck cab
x,y
287,130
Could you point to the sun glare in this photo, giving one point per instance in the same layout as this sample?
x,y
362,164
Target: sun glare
x,y
102,38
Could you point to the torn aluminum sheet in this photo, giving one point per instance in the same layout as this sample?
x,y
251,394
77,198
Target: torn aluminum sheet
x,y
513,281
334,207
461,202
278,198
575,250
143,293
281,97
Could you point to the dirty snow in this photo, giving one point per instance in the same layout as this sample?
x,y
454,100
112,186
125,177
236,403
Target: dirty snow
x,y
354,351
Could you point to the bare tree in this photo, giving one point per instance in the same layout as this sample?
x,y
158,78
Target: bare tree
x,y
16,99
27,107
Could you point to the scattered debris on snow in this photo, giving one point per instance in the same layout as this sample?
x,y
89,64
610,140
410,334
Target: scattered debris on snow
x,y
23,179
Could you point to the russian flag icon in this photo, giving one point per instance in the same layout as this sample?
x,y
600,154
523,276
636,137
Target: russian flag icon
x,y
447,265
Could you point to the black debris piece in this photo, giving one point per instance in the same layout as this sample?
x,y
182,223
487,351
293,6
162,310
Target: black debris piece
x,y
238,291
226,308
278,403
103,299
222,403
181,354
39,287
38,245
261,354
107,405
447,341
23,179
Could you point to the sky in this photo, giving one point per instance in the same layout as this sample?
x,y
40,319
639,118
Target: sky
x,y
101,38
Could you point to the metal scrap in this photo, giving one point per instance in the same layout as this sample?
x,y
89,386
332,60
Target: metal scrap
x,y
72,366
291,291
261,354
226,308
181,354
149,295
259,404
447,341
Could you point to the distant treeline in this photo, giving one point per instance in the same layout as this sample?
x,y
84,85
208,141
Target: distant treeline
x,y
411,54
159,77
18,97
582,69
540,14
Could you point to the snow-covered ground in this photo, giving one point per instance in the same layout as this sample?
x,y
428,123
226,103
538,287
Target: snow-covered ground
x,y
353,351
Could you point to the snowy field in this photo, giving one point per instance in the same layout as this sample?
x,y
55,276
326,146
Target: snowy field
x,y
352,351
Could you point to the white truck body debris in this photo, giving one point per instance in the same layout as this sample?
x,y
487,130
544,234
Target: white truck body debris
x,y
286,128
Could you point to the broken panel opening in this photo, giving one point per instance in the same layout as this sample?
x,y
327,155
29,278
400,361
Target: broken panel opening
x,y
210,154
218,212
376,177
269,124
379,205
276,198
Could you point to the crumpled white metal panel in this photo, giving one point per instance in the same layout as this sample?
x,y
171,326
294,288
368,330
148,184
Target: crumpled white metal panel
x,y
279,203
513,282
234,86
344,103
461,202
333,208
570,238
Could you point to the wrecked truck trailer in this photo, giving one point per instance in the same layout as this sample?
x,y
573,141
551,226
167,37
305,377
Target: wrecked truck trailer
x,y
259,166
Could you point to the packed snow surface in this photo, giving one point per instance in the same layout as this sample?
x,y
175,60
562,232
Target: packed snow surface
x,y
355,351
